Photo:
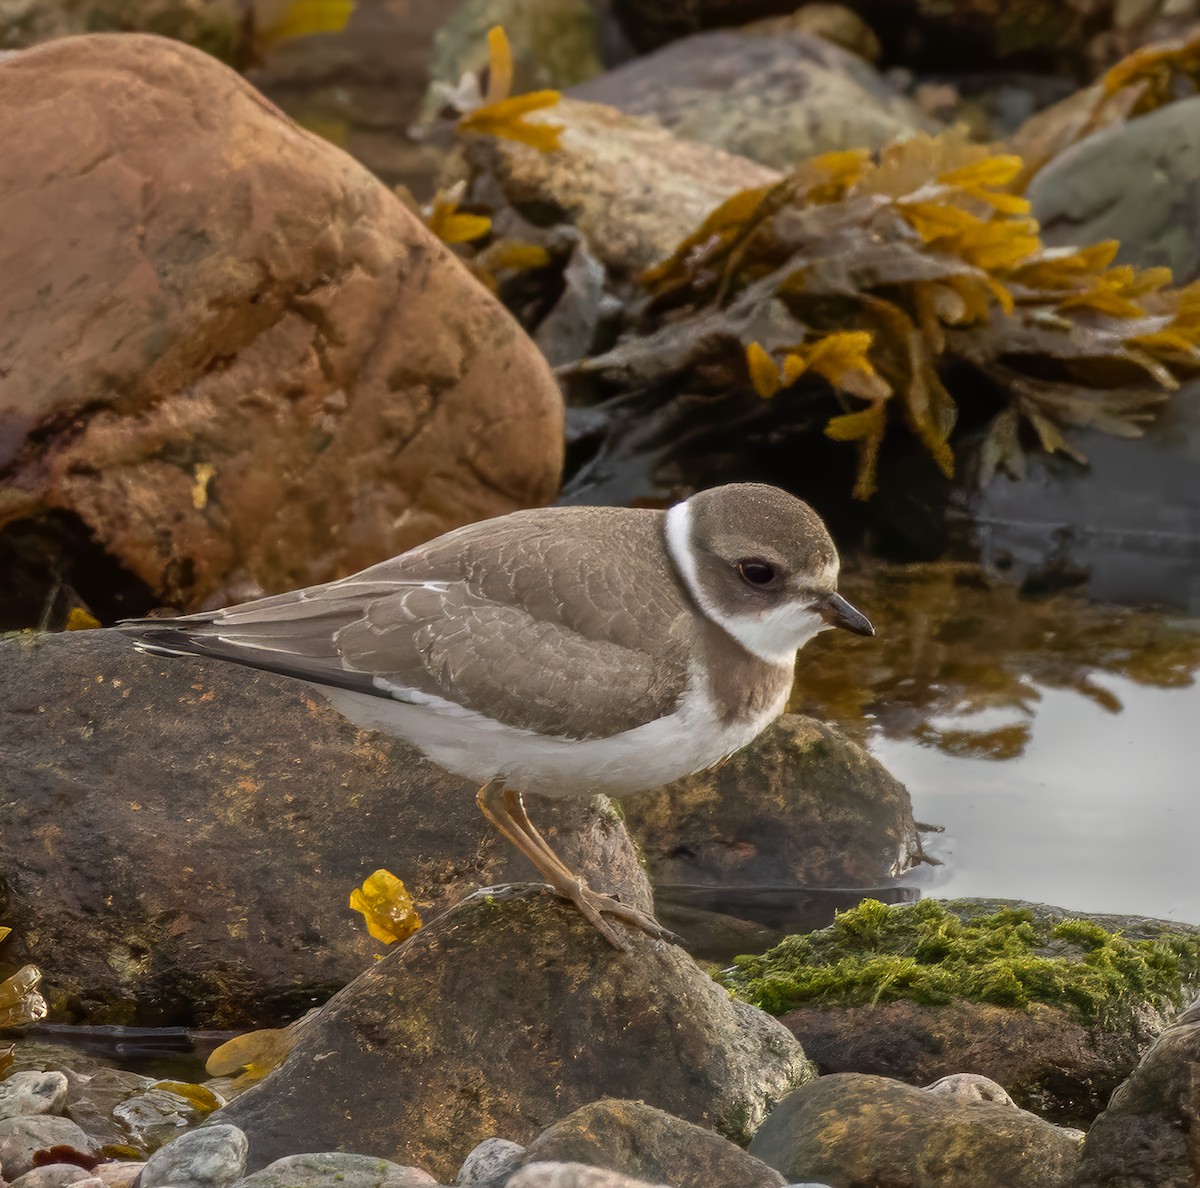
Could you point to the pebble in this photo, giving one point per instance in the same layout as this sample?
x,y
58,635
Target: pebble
x,y
120,1173
335,1169
58,1175
490,1164
971,1087
20,1137
210,1157
25,1093
574,1175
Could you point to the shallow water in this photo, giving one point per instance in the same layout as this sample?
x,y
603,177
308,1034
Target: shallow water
x,y
1056,741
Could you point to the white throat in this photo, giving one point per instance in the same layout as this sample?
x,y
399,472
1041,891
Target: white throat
x,y
774,635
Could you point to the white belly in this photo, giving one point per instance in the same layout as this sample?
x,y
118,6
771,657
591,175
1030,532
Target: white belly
x,y
468,744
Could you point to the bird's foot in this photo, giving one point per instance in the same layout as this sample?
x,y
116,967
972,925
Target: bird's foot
x,y
595,906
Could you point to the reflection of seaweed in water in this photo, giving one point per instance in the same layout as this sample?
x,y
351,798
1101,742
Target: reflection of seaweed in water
x,y
952,644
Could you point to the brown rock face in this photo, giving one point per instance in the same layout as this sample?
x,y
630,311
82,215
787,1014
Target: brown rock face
x,y
501,1017
229,352
854,1129
179,839
638,1140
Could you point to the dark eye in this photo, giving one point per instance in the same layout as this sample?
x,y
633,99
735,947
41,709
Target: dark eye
x,y
756,571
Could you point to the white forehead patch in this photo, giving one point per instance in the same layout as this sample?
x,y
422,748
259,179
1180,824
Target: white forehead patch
x,y
774,635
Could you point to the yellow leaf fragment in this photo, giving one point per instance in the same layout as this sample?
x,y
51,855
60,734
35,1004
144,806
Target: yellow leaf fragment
x,y
387,907
867,428
252,1055
505,120
20,1002
989,172
4,934
764,375
513,254
203,1100
302,18
77,620
500,66
203,473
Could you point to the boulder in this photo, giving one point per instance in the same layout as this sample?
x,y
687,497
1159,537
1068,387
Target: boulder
x,y
180,838
775,97
1148,1134
633,189
501,1016
255,369
21,1138
774,839
647,1144
855,1129
336,1169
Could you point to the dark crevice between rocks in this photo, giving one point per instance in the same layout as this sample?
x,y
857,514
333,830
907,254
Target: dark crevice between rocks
x,y
52,564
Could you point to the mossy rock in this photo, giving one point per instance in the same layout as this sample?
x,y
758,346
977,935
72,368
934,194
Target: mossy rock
x,y
1005,953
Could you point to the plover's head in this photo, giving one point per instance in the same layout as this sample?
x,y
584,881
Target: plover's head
x,y
760,563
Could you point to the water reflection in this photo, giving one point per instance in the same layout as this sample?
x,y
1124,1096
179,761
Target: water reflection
x,y
1055,740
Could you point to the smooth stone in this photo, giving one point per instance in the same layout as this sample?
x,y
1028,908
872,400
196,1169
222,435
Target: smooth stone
x,y
336,1169
58,1175
635,1139
490,1164
773,97
210,1157
853,1128
259,928
93,1098
25,1093
1147,1134
575,1175
506,1010
968,1087
120,1173
22,1137
272,375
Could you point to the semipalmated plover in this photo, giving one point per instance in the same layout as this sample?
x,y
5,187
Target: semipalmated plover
x,y
566,651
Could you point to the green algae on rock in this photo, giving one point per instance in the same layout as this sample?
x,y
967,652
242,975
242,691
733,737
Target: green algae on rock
x,y
997,952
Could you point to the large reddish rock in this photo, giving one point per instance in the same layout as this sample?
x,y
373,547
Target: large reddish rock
x,y
231,356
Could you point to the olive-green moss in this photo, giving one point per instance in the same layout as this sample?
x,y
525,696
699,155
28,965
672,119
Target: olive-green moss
x,y
926,953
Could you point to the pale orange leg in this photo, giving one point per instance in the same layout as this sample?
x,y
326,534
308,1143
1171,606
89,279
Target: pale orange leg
x,y
504,808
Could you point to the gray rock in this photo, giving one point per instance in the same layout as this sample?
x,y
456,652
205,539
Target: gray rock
x,y
121,1173
575,1175
1136,182
335,1169
210,1157
58,1175
490,1164
1147,1134
504,1011
824,813
968,1087
635,1139
21,1137
32,1093
255,921
852,1128
775,98
92,1100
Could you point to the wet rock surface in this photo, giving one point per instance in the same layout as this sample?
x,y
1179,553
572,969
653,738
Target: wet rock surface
x,y
21,1138
772,97
117,764
205,1158
1148,1133
296,378
855,1129
1050,1062
336,1167
637,1140
500,1018
32,1093
801,806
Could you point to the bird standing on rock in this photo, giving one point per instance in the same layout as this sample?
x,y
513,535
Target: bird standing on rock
x,y
564,651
